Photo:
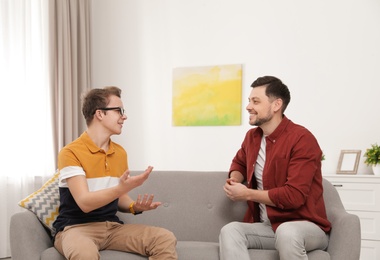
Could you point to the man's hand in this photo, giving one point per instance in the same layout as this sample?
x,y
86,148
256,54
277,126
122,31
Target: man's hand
x,y
128,182
235,191
231,179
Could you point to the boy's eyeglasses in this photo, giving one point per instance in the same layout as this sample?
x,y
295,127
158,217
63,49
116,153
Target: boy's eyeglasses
x,y
120,109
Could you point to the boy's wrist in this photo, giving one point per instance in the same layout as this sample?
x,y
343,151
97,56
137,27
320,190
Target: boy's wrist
x,y
132,210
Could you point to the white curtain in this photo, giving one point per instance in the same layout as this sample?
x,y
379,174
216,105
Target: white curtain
x,y
44,67
26,130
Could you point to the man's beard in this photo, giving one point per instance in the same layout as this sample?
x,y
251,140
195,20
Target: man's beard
x,y
261,121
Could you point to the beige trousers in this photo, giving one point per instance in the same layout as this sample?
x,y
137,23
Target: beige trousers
x,y
84,241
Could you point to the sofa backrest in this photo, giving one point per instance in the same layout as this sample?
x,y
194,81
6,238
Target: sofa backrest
x,y
194,205
332,199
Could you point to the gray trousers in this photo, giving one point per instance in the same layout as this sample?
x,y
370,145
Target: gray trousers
x,y
292,239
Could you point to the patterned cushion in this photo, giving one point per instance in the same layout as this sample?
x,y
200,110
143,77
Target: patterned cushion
x,y
44,203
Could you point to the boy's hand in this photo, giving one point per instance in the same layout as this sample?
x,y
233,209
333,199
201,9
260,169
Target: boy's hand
x,y
145,203
128,182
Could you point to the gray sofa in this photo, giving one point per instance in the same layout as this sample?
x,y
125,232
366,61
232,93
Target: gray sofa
x,y
194,209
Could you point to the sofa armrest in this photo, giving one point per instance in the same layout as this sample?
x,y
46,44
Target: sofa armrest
x,y
345,236
28,237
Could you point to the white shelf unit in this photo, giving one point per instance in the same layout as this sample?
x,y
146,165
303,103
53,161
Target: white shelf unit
x,y
360,195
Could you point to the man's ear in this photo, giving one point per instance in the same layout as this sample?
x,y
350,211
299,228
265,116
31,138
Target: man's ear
x,y
277,104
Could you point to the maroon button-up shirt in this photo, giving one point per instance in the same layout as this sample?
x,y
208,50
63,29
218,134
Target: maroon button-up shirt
x,y
292,174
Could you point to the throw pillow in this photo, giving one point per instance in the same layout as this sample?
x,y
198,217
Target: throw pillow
x,y
44,203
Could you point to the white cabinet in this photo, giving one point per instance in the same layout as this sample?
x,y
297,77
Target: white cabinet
x,y
360,195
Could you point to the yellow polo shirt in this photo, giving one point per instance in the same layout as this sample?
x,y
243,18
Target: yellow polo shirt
x,y
102,170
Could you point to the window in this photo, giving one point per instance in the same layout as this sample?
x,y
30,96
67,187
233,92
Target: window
x,y
26,130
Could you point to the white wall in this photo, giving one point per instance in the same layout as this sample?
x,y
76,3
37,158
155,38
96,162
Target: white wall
x,y
327,52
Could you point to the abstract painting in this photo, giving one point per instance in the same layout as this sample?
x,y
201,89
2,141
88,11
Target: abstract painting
x,y
207,96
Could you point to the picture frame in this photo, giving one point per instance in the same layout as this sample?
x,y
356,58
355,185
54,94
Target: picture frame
x,y
348,161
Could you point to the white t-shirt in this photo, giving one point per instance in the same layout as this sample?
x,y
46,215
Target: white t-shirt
x,y
259,168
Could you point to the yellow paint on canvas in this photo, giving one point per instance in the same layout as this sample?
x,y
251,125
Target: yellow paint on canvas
x,y
207,96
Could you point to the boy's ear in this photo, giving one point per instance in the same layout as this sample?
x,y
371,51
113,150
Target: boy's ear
x,y
99,114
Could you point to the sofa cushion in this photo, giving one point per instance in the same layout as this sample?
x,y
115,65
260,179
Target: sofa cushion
x,y
44,202
190,250
187,250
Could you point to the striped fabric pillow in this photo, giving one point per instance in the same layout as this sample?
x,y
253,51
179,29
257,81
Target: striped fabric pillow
x,y
44,202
